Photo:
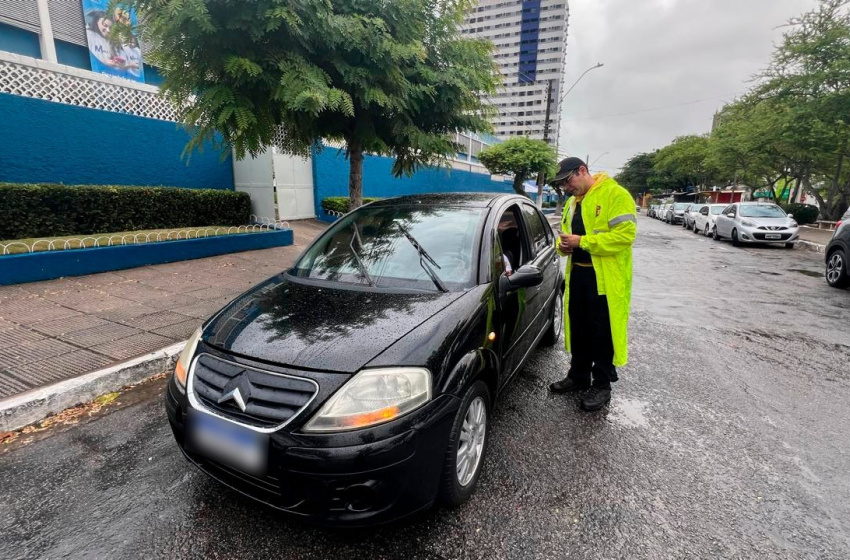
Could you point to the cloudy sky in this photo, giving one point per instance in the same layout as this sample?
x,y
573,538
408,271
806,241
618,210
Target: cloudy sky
x,y
660,53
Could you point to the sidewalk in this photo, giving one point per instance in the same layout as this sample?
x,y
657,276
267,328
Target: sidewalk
x,y
59,329
814,235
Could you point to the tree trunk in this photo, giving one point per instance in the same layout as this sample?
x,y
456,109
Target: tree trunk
x,y
807,185
518,180
355,175
561,200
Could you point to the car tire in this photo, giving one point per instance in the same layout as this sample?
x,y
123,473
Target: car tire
x,y
696,230
707,232
452,492
836,270
789,245
714,234
556,322
735,241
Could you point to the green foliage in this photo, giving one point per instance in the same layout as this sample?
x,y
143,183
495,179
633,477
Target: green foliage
x,y
341,203
521,157
685,161
636,173
803,213
44,210
387,78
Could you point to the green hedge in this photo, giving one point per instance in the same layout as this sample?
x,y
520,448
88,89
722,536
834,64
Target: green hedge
x,y
803,213
55,210
340,203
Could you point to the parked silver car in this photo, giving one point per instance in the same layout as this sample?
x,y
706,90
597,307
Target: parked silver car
x,y
756,222
691,213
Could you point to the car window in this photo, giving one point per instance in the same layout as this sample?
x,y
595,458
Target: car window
x,y
380,245
512,237
762,211
537,228
680,205
716,210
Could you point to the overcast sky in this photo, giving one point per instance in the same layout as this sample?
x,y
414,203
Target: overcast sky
x,y
658,53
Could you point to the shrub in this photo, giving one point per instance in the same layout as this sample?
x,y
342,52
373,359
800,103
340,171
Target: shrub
x,y
41,210
803,213
341,203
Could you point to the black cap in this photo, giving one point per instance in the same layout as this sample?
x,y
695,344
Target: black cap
x,y
567,166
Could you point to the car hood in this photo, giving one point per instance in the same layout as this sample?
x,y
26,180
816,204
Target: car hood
x,y
769,221
323,328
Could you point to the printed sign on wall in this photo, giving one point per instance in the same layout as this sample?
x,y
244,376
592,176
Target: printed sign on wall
x,y
109,54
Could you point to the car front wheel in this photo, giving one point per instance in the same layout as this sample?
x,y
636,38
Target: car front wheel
x,y
735,241
467,446
836,270
714,234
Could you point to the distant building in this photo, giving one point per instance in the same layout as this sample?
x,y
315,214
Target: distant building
x,y
531,42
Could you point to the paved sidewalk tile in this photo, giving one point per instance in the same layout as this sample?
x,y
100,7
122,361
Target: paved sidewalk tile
x,y
58,329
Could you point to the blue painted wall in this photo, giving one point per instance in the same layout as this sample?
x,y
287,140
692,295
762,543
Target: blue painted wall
x,y
330,178
43,141
19,41
70,54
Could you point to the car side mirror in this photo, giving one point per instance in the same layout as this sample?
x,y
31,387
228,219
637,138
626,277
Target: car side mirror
x,y
704,212
790,215
526,276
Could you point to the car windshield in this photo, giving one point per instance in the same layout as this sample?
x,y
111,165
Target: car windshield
x,y
762,211
681,205
717,210
414,247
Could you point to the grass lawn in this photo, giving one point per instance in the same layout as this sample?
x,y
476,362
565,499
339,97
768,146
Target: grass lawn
x,y
15,246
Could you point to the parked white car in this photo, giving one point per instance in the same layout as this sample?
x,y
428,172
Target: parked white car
x,y
662,211
690,215
704,220
756,222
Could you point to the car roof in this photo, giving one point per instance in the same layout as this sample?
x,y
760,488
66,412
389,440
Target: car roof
x,y
470,200
752,203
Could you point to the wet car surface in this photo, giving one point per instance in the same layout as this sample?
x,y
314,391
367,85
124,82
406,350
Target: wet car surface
x,y
740,454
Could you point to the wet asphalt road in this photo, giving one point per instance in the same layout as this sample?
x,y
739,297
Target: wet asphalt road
x,y
728,437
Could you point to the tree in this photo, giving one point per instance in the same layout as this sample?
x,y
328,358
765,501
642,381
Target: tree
x,y
809,76
636,173
521,157
685,160
388,78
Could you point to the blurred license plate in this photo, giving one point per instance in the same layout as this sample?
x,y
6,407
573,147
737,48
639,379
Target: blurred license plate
x,y
772,236
227,443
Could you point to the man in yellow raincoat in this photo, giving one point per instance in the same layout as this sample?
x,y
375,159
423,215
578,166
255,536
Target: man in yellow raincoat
x,y
598,230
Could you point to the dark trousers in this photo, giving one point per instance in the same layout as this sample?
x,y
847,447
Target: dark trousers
x,y
590,331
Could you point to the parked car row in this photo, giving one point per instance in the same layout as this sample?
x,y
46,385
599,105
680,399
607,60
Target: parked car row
x,y
741,222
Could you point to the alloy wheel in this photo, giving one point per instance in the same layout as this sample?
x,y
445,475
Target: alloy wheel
x,y
558,316
834,268
471,445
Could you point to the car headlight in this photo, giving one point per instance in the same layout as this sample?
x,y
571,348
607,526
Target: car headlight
x,y
747,223
181,370
371,397
794,224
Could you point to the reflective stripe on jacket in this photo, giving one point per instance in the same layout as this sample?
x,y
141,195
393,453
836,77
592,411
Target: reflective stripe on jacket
x,y
610,220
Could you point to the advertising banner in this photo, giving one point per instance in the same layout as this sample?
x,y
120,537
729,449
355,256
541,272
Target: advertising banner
x,y
109,54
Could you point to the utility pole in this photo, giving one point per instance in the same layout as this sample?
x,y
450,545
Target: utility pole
x,y
541,177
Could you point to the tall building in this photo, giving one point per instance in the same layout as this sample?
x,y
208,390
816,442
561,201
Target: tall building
x,y
531,42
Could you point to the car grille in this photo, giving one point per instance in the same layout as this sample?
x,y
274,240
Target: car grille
x,y
761,237
271,399
773,228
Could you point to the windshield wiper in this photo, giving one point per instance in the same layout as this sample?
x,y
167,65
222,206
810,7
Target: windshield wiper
x,y
423,256
360,265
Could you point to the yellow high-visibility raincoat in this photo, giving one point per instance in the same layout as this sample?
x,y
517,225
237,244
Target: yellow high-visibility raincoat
x,y
610,220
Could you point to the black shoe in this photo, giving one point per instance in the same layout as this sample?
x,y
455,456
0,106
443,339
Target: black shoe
x,y
596,398
568,385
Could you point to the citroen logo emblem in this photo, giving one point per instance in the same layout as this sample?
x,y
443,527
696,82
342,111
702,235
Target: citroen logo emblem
x,y
238,390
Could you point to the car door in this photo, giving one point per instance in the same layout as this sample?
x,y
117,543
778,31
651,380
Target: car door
x,y
512,252
701,219
724,220
544,258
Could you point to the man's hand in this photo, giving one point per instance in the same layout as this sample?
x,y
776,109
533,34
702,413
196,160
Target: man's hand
x,y
569,242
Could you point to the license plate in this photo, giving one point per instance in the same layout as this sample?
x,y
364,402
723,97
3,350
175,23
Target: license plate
x,y
772,236
227,443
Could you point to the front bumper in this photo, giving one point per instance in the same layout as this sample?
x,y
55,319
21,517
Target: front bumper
x,y
368,477
677,218
756,235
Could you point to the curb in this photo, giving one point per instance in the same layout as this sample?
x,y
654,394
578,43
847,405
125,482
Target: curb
x,y
809,246
24,409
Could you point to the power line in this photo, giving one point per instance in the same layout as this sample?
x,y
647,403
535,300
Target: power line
x,y
598,117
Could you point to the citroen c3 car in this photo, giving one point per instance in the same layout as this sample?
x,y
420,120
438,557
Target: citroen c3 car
x,y
358,386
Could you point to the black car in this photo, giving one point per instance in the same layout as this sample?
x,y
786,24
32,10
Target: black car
x,y
357,387
838,253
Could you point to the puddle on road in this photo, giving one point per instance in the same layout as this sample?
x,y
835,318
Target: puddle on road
x,y
812,273
630,413
770,273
